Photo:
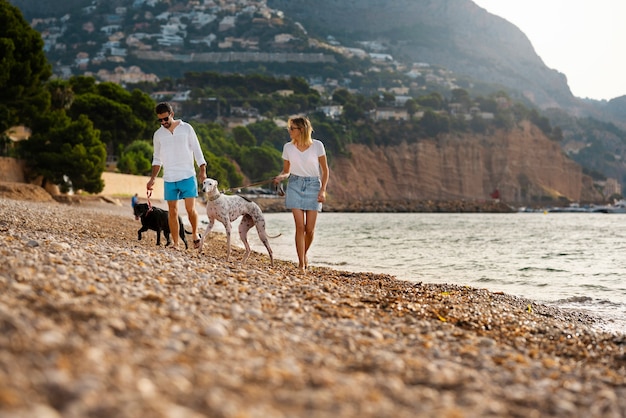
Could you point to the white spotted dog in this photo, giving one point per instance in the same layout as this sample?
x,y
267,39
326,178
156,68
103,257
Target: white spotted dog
x,y
226,209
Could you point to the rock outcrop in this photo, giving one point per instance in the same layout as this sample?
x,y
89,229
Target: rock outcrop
x,y
523,165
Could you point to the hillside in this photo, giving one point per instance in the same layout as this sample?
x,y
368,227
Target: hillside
x,y
460,44
457,35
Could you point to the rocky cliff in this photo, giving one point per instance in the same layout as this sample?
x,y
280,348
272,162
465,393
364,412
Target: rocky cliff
x,y
523,164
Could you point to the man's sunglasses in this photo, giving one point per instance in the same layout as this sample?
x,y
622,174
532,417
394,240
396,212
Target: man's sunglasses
x,y
163,119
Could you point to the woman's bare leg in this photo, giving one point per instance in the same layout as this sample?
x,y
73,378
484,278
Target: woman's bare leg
x,y
298,217
309,233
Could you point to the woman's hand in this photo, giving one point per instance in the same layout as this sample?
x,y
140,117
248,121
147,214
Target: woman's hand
x,y
321,196
279,178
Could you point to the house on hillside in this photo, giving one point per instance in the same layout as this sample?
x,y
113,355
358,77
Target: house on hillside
x,y
389,113
333,111
182,96
228,22
245,111
162,96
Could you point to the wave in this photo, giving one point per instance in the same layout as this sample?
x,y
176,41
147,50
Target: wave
x,y
547,269
576,299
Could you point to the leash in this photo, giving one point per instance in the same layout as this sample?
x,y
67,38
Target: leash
x,y
149,193
258,183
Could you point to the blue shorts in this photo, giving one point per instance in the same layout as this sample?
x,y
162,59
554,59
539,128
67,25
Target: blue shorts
x,y
302,193
176,190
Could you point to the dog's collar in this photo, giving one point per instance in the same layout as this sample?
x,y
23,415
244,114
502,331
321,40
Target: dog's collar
x,y
214,197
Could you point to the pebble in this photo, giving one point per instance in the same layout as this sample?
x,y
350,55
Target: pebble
x,y
96,323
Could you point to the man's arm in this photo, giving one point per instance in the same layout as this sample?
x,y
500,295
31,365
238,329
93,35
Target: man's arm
x,y
202,173
155,172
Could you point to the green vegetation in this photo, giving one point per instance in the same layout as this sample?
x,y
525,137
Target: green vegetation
x,y
66,152
136,158
23,71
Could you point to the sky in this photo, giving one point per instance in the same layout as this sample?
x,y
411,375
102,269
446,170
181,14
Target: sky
x,y
583,39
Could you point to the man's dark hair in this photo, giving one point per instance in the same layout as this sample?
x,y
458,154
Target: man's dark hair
x,y
163,107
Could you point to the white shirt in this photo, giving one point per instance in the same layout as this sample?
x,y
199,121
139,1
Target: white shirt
x,y
175,152
304,164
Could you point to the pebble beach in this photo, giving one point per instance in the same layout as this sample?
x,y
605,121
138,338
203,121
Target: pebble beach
x,y
95,323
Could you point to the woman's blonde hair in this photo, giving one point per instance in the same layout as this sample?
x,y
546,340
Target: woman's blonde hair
x,y
304,125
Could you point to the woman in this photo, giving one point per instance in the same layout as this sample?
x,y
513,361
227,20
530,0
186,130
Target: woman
x,y
304,162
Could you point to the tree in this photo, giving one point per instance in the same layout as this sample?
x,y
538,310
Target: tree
x,y
243,137
352,112
82,84
433,100
557,134
542,122
61,94
261,162
136,158
223,170
66,152
478,124
267,132
434,124
23,70
411,107
342,96
213,139
461,96
121,116
115,120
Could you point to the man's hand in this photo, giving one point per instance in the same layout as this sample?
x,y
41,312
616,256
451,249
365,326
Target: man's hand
x,y
150,184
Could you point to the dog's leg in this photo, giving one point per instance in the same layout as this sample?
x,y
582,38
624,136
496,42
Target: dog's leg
x,y
260,229
167,237
228,228
142,229
244,226
207,231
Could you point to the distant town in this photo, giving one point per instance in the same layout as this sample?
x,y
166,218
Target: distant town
x,y
110,45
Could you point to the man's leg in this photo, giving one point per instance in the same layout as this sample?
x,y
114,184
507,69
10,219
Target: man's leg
x,y
192,214
172,219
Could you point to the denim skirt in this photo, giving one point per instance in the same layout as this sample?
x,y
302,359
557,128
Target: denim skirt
x,y
302,193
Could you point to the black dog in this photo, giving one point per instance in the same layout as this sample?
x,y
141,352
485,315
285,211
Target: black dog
x,y
156,220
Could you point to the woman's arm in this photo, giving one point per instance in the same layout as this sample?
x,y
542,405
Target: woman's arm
x,y
321,197
283,174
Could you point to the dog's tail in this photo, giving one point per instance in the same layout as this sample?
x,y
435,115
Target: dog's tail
x,y
274,236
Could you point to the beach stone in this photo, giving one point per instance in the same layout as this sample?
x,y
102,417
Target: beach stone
x,y
96,323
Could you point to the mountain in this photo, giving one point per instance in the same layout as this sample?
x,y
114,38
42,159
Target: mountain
x,y
455,34
483,51
364,45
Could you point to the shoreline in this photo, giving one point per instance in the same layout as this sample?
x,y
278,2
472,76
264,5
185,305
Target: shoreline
x,y
96,322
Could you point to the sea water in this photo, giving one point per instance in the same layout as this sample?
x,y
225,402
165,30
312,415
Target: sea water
x,y
574,260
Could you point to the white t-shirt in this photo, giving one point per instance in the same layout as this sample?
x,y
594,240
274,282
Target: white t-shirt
x,y
176,151
304,164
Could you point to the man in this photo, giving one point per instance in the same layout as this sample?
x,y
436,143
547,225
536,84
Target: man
x,y
176,146
134,200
